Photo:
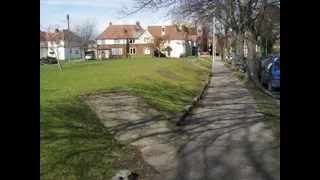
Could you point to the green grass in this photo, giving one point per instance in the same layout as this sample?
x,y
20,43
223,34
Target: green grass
x,y
267,105
73,142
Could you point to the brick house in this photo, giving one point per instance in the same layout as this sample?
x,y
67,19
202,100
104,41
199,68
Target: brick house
x,y
199,37
119,40
180,39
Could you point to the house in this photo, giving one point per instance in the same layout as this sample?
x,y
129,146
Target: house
x,y
43,45
92,49
172,40
181,40
176,41
199,37
119,40
57,45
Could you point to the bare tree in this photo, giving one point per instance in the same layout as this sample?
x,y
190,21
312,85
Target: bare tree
x,y
85,32
245,19
54,40
158,42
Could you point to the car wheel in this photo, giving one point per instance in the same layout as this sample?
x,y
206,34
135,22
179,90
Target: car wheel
x,y
270,87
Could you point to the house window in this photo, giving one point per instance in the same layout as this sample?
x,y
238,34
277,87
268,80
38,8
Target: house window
x,y
146,50
146,39
117,41
76,51
132,41
132,51
116,51
162,29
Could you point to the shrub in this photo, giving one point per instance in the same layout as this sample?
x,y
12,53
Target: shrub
x,y
48,60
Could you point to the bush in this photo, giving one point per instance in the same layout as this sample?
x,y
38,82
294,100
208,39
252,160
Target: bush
x,y
48,60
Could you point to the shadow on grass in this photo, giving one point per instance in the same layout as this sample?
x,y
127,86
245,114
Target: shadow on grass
x,y
75,145
227,113
167,98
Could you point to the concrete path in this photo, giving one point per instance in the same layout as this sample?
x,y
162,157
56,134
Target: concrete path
x,y
227,139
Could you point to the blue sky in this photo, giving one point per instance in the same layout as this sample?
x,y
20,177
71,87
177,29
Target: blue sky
x,y
103,11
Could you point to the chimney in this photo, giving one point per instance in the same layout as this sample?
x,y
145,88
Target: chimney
x,y
163,30
110,23
138,24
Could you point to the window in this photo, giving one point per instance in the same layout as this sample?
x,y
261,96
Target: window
x,y
162,29
132,41
117,41
146,39
277,65
146,50
132,51
116,51
76,51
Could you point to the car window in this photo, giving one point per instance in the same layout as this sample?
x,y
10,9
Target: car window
x,y
269,66
277,65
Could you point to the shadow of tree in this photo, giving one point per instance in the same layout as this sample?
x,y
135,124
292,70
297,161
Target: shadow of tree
x,y
75,145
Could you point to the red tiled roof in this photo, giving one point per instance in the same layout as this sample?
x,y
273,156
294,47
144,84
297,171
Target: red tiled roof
x,y
192,31
170,31
42,36
117,32
63,35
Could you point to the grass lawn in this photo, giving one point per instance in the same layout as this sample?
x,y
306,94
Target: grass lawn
x,y
73,142
267,105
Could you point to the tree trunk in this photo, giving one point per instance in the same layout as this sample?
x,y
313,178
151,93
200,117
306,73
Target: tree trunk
x,y
252,63
59,65
261,49
234,48
240,47
223,52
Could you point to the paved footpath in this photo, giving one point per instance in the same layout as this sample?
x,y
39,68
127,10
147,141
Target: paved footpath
x,y
227,139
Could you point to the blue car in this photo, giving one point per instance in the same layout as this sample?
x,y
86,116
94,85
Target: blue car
x,y
270,72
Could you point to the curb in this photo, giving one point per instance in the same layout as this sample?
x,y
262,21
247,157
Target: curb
x,y
267,93
187,109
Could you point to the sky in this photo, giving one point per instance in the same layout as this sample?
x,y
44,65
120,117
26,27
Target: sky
x,y
54,12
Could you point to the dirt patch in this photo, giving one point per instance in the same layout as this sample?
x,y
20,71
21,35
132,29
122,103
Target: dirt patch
x,y
145,78
169,75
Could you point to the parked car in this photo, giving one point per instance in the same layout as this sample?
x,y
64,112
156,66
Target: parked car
x,y
89,57
270,72
260,62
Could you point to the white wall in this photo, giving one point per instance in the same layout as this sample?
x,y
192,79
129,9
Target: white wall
x,y
60,51
73,53
43,53
110,41
53,44
140,40
177,46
